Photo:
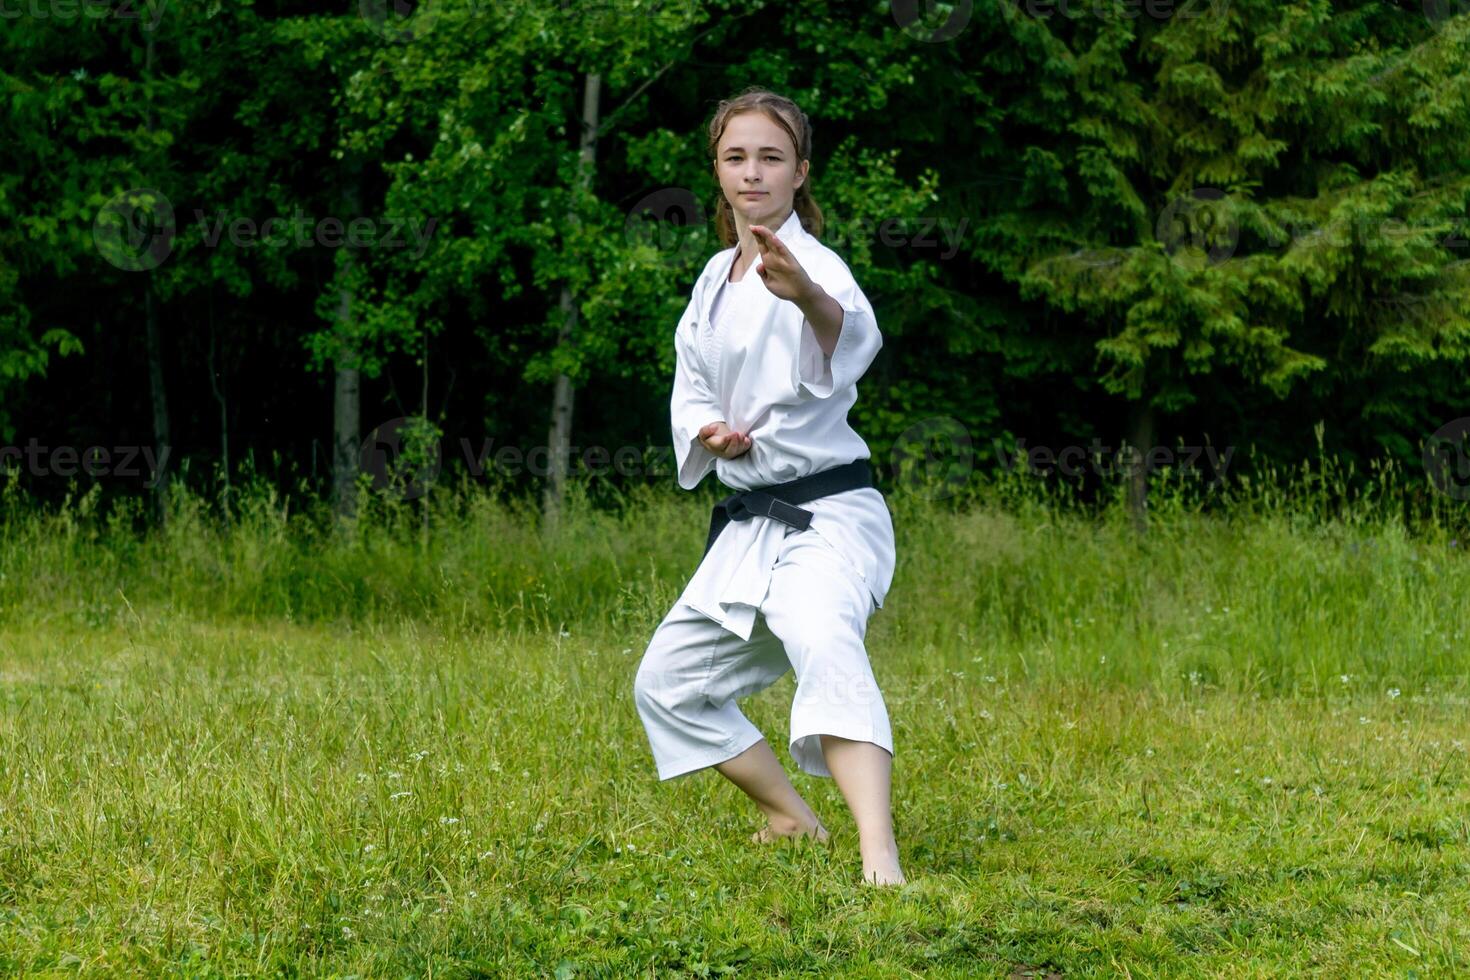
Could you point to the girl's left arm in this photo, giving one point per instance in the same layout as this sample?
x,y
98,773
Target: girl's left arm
x,y
839,333
824,314
837,308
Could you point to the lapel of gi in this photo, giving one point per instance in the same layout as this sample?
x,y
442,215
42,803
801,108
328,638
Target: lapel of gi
x,y
791,234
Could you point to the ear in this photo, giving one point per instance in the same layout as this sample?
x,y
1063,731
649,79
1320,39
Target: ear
x,y
801,172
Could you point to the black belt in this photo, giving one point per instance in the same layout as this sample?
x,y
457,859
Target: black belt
x,y
779,502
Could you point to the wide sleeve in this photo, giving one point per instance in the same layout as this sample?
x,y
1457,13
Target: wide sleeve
x,y
693,404
820,375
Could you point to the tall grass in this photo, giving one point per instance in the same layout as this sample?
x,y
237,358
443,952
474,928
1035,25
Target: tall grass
x,y
1277,582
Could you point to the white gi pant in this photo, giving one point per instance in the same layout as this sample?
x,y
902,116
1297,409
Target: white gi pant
x,y
813,619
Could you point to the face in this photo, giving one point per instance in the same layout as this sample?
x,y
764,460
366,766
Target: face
x,y
758,170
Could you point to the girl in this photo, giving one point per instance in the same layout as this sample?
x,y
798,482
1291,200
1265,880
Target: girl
x,y
769,352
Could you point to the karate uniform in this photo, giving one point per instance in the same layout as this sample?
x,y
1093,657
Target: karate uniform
x,y
767,597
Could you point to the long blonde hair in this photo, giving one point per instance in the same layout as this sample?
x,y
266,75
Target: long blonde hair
x,y
788,116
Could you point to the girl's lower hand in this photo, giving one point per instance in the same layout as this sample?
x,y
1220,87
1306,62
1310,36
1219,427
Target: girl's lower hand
x,y
723,441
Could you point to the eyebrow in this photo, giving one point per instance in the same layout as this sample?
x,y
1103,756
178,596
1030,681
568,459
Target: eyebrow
x,y
742,149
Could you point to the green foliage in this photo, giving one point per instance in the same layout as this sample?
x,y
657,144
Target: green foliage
x,y
1237,212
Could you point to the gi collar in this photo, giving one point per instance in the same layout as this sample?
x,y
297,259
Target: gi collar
x,y
789,233
790,229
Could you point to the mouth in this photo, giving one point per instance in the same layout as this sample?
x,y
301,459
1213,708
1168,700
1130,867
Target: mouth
x,y
752,193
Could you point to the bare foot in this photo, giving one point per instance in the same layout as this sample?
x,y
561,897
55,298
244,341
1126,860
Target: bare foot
x,y
880,867
786,827
879,878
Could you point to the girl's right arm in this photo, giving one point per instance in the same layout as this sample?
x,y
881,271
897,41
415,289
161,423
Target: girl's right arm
x,y
693,405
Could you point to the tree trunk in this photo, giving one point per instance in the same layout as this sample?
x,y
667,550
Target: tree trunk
x,y
224,413
559,439
1141,437
424,413
560,436
346,423
159,398
153,348
347,382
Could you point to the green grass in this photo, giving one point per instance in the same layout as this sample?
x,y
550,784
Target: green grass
x,y
1235,746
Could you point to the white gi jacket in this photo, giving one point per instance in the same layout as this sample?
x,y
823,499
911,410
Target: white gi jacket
x,y
764,374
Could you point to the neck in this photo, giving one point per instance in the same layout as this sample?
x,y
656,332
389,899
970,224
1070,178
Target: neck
x,y
746,240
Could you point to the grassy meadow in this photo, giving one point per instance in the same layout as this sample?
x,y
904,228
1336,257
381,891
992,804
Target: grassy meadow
x,y
1233,746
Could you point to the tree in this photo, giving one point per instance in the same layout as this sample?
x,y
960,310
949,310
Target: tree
x,y
1220,198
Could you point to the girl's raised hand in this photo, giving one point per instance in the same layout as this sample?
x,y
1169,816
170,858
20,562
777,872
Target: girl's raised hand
x,y
778,268
723,441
